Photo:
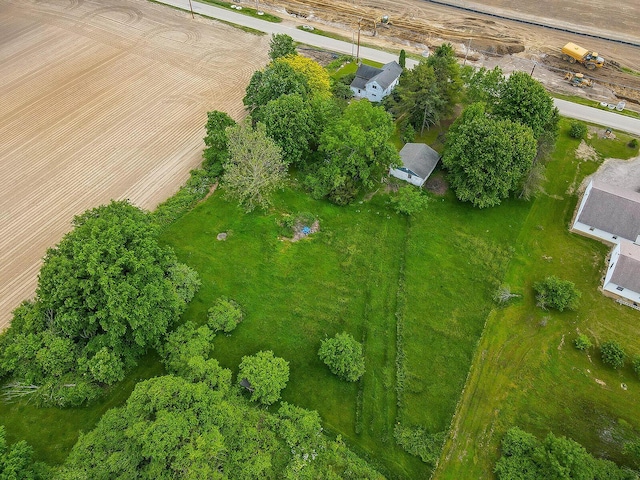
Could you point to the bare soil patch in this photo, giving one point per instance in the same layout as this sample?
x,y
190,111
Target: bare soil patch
x,y
586,152
100,100
437,184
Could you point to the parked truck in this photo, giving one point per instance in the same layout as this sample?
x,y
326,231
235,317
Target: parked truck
x,y
573,53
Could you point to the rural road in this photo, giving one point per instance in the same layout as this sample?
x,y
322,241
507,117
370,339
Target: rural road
x,y
567,109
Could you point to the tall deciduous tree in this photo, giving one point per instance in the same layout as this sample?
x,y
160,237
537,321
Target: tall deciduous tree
x,y
357,151
288,121
482,85
106,294
281,45
277,79
316,76
487,159
267,374
255,168
216,152
524,100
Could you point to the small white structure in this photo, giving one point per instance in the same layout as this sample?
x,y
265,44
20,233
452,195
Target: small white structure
x,y
375,83
418,161
609,213
623,275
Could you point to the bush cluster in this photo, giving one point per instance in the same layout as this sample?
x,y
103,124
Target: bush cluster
x,y
343,355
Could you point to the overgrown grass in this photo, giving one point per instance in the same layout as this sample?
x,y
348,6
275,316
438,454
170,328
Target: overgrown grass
x,y
526,371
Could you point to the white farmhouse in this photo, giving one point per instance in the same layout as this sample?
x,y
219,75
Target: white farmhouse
x,y
418,161
375,83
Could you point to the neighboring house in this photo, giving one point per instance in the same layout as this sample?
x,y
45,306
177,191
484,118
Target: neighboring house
x,y
376,83
623,275
612,214
609,213
418,161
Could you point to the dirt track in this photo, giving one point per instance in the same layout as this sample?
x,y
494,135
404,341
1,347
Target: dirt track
x,y
101,100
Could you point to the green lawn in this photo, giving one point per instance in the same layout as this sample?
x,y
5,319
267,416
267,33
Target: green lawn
x,y
526,371
346,277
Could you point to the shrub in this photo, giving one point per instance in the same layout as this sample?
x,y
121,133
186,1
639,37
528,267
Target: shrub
x,y
577,129
582,342
612,354
409,200
343,355
555,293
417,441
633,143
225,315
267,376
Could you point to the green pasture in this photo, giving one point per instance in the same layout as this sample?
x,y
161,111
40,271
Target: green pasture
x,y
526,371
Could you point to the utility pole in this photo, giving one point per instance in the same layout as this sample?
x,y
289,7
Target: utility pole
x,y
466,53
191,8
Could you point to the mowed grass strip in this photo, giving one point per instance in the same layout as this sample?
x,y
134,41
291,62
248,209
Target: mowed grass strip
x,y
456,258
526,371
342,278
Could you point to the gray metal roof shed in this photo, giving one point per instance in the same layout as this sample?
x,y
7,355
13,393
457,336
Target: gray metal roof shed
x,y
421,159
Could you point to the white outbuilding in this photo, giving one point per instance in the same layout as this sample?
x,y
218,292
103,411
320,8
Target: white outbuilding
x,y
417,162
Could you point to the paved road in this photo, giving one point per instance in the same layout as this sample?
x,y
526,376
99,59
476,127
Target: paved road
x,y
600,117
289,27
567,109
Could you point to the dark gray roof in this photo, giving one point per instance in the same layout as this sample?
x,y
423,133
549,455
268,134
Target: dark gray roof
x,y
627,271
612,209
421,159
390,72
382,76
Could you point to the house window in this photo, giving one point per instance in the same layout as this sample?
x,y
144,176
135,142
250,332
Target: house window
x,y
374,86
591,229
358,90
619,288
615,237
612,265
408,175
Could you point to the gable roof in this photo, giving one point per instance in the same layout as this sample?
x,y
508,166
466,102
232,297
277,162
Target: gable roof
x,y
612,209
627,269
419,158
384,76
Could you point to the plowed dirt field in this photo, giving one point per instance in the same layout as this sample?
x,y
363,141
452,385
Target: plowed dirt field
x,y
102,100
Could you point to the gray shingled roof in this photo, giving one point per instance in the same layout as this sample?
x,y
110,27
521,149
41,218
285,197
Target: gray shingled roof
x,y
419,158
627,271
612,209
382,76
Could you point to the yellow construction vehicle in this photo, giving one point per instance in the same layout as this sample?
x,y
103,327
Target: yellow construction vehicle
x,y
578,80
573,53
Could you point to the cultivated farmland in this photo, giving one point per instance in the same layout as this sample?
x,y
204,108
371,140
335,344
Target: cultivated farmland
x,y
101,100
